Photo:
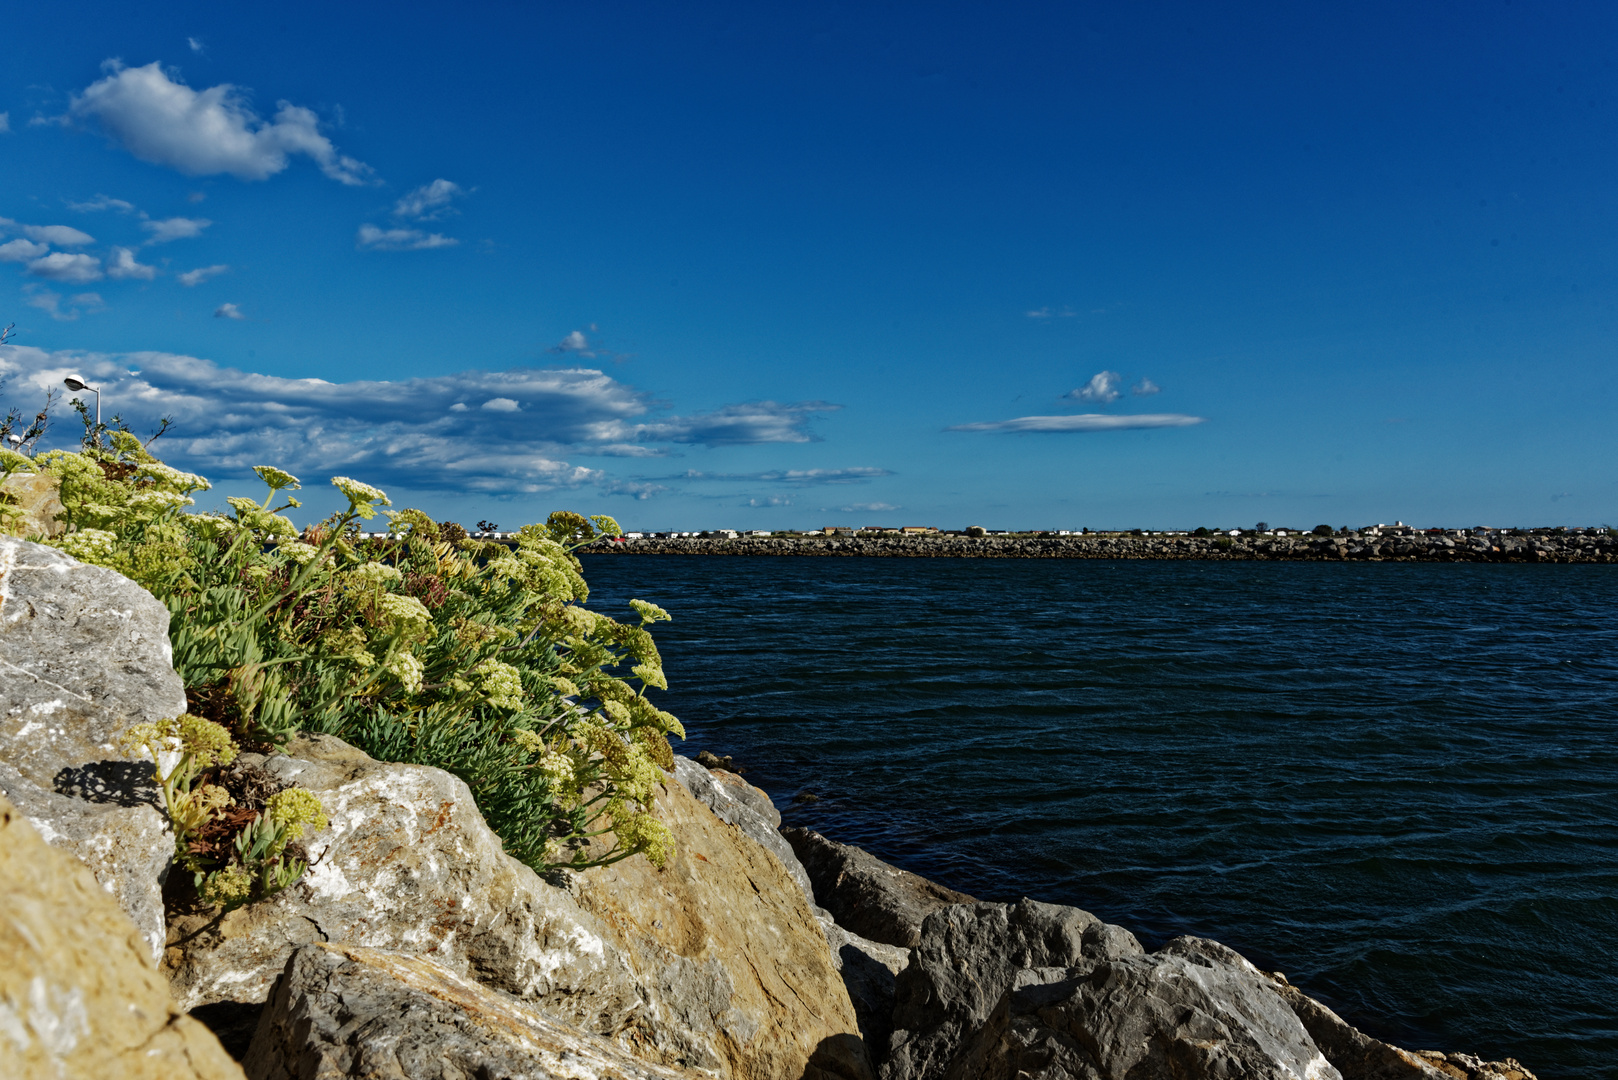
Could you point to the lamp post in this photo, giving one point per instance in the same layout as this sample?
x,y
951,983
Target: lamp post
x,y
75,386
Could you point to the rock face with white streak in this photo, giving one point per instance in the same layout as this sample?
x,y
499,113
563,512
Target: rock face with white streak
x,y
346,1011
84,654
78,997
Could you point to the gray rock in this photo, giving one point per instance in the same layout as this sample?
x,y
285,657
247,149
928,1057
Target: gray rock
x,y
128,848
343,1011
408,864
1192,1011
968,957
736,802
865,894
84,654
869,970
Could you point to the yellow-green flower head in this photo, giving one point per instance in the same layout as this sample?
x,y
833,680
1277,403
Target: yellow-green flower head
x,y
297,551
173,479
294,808
206,742
580,622
276,479
501,684
557,769
650,613
407,669
564,687
645,833
373,575
409,615
125,443
11,461
607,525
360,496
227,887
651,676
89,545
616,711
159,502
209,526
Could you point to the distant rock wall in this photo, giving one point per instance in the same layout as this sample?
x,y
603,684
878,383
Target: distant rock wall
x,y
1529,548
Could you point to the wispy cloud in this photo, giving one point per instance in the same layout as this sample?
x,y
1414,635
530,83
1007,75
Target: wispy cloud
x,y
771,500
228,311
175,228
860,508
1145,388
794,477
61,266
5,122
193,278
422,434
102,202
1102,388
1063,312
579,344
122,266
20,250
429,202
60,235
202,133
371,238
58,308
1083,422
195,43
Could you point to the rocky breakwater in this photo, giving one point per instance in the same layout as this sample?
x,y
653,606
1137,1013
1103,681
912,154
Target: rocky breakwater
x,y
415,947
1552,547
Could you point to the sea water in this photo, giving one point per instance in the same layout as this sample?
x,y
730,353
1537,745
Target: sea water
x,y
1397,783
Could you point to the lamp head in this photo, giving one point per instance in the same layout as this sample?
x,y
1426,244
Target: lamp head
x,y
74,384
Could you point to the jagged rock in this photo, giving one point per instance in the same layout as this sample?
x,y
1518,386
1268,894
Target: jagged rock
x,y
38,505
78,997
84,654
869,969
1468,1067
346,1011
407,864
865,894
967,958
740,975
1193,1010
738,803
1353,1053
127,848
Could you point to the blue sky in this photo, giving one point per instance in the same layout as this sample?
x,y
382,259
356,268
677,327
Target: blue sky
x,y
1032,266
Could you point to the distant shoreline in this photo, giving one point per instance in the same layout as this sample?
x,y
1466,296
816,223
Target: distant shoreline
x,y
1502,548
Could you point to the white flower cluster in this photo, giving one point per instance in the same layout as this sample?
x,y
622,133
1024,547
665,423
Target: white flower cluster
x,y
407,669
361,496
182,482
501,684
277,478
89,545
297,551
373,575
405,613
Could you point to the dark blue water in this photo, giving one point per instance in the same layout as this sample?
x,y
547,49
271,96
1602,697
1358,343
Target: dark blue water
x,y
1398,783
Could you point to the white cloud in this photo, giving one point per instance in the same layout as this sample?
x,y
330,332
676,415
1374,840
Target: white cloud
x,y
102,202
53,304
1102,387
429,202
60,235
1064,312
174,228
1145,388
404,433
201,133
195,43
501,404
371,238
228,311
853,508
5,122
773,500
21,250
193,278
574,342
795,477
1084,422
122,266
60,266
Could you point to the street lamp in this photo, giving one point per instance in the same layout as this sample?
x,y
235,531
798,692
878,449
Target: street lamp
x,y
75,386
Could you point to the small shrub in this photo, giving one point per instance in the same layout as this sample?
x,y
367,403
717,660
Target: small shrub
x,y
1323,530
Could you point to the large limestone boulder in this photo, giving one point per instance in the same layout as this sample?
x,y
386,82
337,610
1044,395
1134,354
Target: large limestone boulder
x,y
968,957
1191,1011
347,1011
84,654
407,864
78,997
737,965
37,505
866,895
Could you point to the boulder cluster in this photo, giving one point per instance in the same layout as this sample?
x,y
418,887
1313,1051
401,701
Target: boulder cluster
x,y
1494,546
415,947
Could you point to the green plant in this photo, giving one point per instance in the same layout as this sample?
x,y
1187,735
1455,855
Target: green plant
x,y
421,646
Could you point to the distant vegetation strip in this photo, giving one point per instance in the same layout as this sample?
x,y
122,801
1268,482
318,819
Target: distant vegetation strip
x,y
1554,547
